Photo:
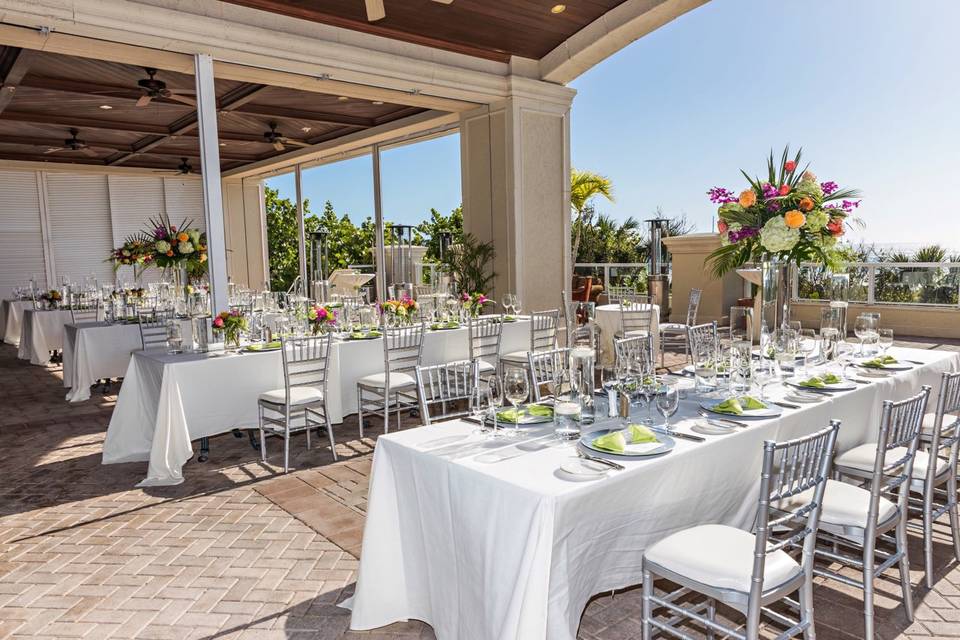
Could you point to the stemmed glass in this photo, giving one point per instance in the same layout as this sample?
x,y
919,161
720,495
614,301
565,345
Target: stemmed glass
x,y
765,374
885,339
865,328
807,344
507,302
705,367
668,401
494,401
516,388
649,387
174,337
516,305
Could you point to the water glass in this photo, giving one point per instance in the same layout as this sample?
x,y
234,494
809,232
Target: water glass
x,y
566,417
741,323
885,339
808,345
494,402
668,400
741,366
865,328
174,337
705,368
829,343
516,389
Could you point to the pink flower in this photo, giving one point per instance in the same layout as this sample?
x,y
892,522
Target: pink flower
x,y
465,296
218,321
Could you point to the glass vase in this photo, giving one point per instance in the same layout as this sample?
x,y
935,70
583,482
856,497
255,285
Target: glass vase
x,y
776,279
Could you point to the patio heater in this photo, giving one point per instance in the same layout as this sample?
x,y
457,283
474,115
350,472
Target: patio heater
x,y
443,278
402,262
319,285
657,283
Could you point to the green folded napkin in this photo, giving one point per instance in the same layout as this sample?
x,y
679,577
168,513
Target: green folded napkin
x,y
750,403
730,405
640,434
880,362
540,410
359,335
814,382
445,325
614,441
268,345
830,378
515,415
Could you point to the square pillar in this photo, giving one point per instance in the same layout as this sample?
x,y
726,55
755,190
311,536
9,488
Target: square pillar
x,y
515,167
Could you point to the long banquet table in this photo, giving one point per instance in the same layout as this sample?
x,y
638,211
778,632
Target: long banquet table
x,y
41,333
168,400
489,539
11,319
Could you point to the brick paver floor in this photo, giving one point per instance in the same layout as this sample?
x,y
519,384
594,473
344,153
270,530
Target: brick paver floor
x,y
238,551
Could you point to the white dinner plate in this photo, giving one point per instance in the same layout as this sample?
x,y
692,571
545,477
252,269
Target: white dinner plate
x,y
688,370
896,366
808,398
584,469
843,385
711,428
867,372
772,411
664,444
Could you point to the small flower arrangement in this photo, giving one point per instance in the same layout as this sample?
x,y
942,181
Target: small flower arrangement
x,y
473,302
786,216
134,252
321,318
401,310
51,299
230,324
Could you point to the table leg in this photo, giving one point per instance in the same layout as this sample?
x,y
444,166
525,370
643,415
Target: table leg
x,y
204,449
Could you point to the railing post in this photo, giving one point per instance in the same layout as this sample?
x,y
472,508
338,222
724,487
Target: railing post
x,y
606,275
871,284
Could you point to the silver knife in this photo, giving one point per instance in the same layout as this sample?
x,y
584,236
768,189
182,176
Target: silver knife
x,y
786,405
710,416
604,461
677,434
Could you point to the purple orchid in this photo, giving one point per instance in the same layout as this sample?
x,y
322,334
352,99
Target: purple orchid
x,y
829,187
159,233
745,232
719,195
769,191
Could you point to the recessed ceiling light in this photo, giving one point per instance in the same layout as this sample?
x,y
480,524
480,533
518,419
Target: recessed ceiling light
x,y
105,106
342,98
377,102
558,8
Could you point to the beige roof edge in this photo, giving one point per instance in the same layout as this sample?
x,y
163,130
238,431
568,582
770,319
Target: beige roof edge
x,y
608,34
421,123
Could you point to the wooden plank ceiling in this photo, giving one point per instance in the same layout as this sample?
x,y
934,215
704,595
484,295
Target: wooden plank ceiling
x,y
45,96
492,29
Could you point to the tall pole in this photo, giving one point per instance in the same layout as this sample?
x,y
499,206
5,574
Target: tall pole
x,y
301,239
212,194
378,217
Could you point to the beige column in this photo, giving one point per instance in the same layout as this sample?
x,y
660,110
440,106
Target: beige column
x,y
691,271
515,167
245,216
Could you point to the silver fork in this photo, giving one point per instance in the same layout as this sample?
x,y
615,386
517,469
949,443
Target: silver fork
x,y
705,414
604,461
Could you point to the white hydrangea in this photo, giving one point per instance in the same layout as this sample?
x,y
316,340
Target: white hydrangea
x,y
777,236
194,236
185,248
810,188
816,220
162,246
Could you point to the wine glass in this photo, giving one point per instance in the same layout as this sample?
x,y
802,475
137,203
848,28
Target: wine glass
x,y
516,304
807,344
174,337
704,368
649,387
885,339
764,374
668,400
494,401
516,388
865,328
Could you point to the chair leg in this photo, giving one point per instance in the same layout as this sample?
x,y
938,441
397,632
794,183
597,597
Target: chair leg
x,y
386,411
263,436
806,608
306,422
333,445
360,410
954,519
286,442
928,534
711,616
868,570
904,568
647,605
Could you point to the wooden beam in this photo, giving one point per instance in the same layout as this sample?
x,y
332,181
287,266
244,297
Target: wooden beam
x,y
15,65
340,120
66,121
27,157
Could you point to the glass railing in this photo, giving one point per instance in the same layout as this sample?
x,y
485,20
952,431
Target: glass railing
x,y
914,283
615,274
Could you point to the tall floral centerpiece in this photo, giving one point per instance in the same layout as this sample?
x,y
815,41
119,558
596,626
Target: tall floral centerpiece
x,y
230,324
473,303
400,311
135,252
779,222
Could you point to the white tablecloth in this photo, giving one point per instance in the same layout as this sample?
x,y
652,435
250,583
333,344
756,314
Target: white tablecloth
x,y
484,549
41,333
167,401
95,350
11,319
608,320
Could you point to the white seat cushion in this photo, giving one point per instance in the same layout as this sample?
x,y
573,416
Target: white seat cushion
x,y
515,356
636,332
379,380
861,459
673,327
844,505
298,395
719,556
930,421
483,365
921,462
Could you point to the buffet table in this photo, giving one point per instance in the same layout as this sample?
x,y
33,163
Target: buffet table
x,y
490,539
41,333
168,400
11,319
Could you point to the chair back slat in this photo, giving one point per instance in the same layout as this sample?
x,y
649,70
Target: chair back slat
x,y
635,316
945,435
693,306
402,347
615,293
543,329
85,311
484,337
153,327
634,348
702,334
447,390
544,367
306,362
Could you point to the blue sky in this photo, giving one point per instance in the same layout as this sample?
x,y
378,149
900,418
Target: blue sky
x,y
867,87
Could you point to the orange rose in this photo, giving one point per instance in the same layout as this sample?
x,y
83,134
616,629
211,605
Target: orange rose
x,y
748,198
806,204
183,237
170,252
794,219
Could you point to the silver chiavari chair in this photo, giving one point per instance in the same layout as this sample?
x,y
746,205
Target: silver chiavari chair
x,y
544,367
635,348
153,327
702,334
636,318
543,336
858,518
85,311
402,347
422,290
306,365
614,293
484,336
451,388
749,571
935,470
674,334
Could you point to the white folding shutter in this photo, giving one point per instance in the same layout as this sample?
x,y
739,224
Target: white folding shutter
x,y
134,200
183,198
80,232
21,239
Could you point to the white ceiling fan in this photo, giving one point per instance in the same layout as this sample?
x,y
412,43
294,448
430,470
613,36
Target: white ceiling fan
x,y
375,10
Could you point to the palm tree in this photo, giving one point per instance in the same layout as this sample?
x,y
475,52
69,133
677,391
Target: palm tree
x,y
584,186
